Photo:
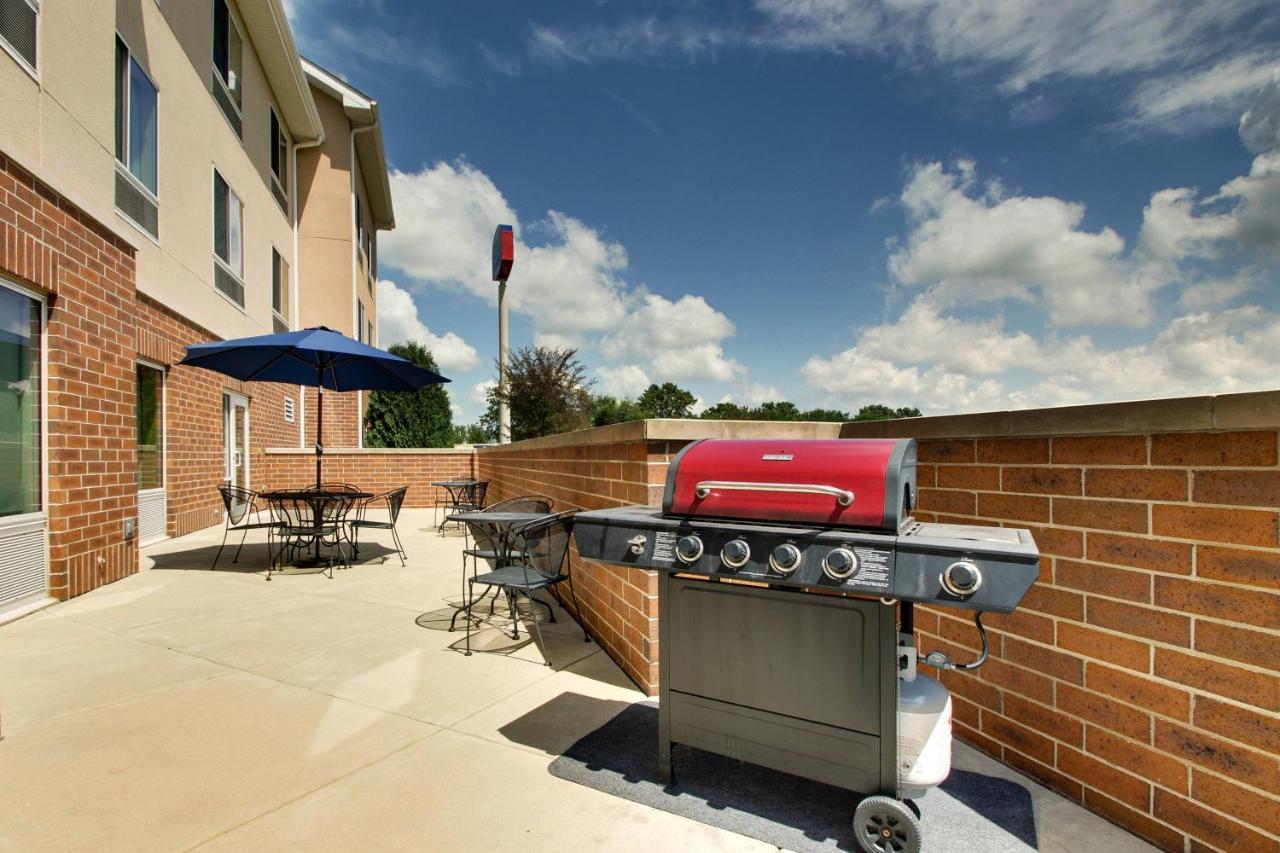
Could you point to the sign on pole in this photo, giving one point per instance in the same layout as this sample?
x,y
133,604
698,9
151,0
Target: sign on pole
x,y
504,257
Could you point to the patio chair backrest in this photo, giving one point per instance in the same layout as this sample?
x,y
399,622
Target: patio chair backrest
x,y
395,500
524,503
293,512
487,539
238,501
338,487
545,543
335,509
473,494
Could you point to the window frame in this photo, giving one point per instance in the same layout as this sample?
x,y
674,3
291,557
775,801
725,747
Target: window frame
x,y
360,314
41,514
237,101
280,269
32,71
163,412
122,111
217,259
279,138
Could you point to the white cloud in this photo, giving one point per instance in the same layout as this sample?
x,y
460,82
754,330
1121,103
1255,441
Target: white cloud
x,y
571,285
978,244
480,392
1260,125
626,381
398,321
754,395
1189,99
971,247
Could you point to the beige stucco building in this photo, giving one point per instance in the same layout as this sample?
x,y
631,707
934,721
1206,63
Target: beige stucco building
x,y
170,173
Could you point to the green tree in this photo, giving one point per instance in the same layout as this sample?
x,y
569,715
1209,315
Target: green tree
x,y
777,410
547,391
667,400
835,415
881,412
472,434
726,412
421,418
614,410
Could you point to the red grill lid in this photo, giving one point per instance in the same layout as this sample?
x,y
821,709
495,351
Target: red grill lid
x,y
864,483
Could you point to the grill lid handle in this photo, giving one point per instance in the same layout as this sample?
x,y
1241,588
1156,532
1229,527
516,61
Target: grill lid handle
x,y
843,497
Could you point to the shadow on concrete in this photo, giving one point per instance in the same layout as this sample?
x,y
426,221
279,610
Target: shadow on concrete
x,y
255,558
970,812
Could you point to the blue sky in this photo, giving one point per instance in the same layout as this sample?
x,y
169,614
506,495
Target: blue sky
x,y
834,201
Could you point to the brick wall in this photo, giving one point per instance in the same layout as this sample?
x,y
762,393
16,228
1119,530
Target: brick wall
x,y
195,462
87,273
372,470
342,413
1141,675
607,467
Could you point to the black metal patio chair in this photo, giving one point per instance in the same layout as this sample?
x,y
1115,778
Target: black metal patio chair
x,y
394,499
539,560
485,542
242,504
304,525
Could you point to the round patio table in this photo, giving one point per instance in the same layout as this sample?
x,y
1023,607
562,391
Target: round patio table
x,y
456,491
318,499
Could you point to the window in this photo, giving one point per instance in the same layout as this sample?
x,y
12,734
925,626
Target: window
x,y
150,418
20,333
360,322
368,338
135,118
279,162
228,231
280,290
19,31
227,49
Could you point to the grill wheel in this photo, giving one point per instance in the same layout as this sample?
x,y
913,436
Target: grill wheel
x,y
886,825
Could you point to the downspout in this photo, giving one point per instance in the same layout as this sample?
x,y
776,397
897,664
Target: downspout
x,y
295,309
355,255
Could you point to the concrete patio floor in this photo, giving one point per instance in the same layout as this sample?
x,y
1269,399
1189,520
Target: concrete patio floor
x,y
182,708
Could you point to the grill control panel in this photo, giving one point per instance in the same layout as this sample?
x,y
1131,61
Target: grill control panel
x,y
977,568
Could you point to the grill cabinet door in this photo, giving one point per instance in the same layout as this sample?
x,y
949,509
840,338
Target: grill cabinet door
x,y
811,657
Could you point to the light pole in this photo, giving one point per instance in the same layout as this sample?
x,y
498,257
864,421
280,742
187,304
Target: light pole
x,y
504,255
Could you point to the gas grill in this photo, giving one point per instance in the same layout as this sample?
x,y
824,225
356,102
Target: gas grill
x,y
788,575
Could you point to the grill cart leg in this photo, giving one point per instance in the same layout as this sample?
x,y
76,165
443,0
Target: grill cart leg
x,y
885,825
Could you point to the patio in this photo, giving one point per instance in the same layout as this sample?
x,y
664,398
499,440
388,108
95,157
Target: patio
x,y
183,708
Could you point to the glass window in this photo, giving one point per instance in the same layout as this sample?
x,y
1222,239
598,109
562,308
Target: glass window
x,y
226,49
279,152
360,321
227,229
19,403
280,288
135,118
150,418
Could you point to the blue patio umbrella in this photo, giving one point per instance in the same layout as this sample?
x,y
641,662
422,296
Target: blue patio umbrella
x,y
317,356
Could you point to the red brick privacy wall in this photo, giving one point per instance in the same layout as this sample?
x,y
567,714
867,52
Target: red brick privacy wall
x,y
88,275
1141,675
341,418
372,470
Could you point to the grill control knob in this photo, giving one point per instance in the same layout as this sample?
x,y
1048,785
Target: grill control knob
x,y
840,563
735,554
961,578
689,549
785,559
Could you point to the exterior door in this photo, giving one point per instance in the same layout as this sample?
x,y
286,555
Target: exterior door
x,y
236,439
150,416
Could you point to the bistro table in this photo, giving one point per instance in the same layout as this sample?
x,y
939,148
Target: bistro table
x,y
502,525
455,490
318,499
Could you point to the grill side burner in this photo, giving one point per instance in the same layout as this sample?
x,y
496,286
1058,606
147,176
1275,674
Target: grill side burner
x,y
788,575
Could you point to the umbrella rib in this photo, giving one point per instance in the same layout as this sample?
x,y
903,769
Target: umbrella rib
x,y
281,353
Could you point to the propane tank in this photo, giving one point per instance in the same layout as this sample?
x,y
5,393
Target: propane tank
x,y
924,734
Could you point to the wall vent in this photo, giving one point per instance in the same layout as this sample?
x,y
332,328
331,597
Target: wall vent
x,y
289,413
23,572
19,27
228,284
151,516
135,204
220,95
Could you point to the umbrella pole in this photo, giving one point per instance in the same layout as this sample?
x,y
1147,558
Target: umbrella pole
x,y
319,423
